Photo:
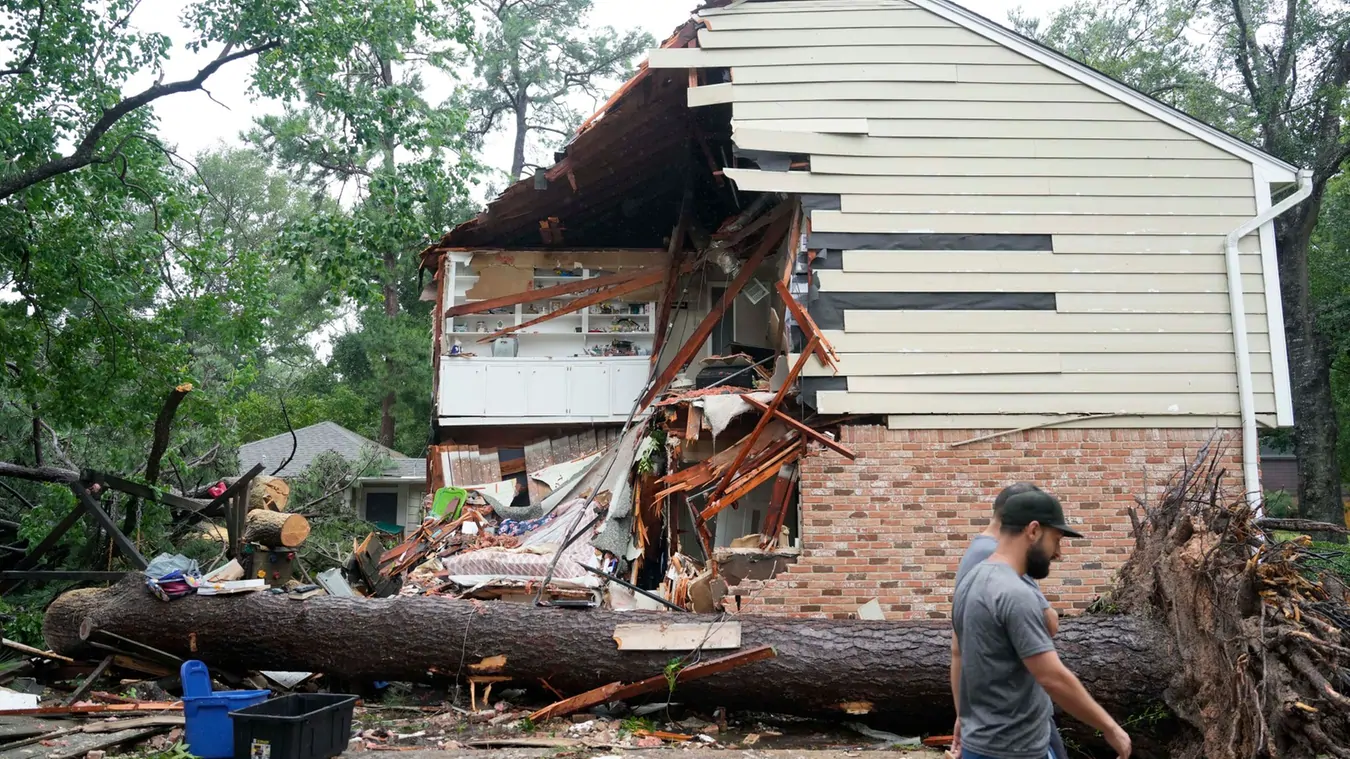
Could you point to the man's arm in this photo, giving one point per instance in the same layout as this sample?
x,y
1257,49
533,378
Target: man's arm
x,y
1051,620
1066,690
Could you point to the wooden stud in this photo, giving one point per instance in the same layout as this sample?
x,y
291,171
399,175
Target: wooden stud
x,y
824,351
814,434
693,424
764,419
691,346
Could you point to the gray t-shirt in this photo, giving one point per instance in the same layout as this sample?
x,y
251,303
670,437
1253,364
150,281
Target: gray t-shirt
x,y
981,548
998,621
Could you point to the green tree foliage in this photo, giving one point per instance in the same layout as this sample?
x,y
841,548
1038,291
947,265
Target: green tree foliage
x,y
531,55
367,129
1274,73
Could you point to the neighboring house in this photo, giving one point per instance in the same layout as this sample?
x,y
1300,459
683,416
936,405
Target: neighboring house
x,y
1020,262
391,498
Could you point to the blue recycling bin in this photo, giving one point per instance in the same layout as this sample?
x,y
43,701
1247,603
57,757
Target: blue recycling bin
x,y
208,730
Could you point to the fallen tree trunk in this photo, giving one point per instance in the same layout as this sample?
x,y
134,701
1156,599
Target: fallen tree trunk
x,y
897,672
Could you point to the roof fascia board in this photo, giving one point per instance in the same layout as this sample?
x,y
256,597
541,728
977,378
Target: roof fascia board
x,y
1272,168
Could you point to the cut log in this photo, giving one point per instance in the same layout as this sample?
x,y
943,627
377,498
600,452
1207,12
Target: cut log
x,y
270,493
275,529
899,670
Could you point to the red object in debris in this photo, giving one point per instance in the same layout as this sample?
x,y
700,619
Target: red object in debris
x,y
216,489
937,741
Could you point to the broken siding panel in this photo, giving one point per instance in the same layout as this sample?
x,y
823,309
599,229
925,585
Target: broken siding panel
x,y
1225,404
980,52
939,364
839,184
980,168
1025,129
899,92
794,38
961,322
852,18
915,261
824,126
958,223
1058,383
1009,73
939,109
1083,205
968,147
834,281
851,344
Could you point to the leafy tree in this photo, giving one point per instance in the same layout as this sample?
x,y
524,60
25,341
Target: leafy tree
x,y
366,126
1276,74
531,54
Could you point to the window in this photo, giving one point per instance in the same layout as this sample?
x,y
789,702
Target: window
x,y
382,508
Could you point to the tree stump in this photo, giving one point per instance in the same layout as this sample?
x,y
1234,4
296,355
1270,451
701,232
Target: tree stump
x,y
275,529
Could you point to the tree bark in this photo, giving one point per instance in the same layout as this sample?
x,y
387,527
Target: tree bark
x,y
390,258
275,529
898,668
1315,430
522,113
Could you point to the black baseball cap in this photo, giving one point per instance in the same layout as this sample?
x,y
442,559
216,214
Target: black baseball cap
x,y
1022,509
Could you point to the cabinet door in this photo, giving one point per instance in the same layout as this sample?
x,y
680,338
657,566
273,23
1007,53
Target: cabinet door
x,y
588,390
626,382
547,395
505,390
463,388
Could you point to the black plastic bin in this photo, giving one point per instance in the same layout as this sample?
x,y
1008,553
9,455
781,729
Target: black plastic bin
x,y
298,726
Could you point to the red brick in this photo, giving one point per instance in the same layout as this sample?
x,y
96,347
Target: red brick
x,y
893,524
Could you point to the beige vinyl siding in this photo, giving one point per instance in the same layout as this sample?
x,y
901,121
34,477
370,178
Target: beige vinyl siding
x,y
922,127
1118,187
920,261
902,322
962,282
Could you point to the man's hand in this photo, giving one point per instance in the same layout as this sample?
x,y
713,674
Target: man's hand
x,y
1120,741
956,739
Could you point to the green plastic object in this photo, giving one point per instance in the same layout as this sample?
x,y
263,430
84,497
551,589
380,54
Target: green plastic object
x,y
444,497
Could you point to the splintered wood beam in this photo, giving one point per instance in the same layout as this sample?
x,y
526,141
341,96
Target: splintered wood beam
x,y
647,280
693,423
824,351
695,672
676,253
594,697
794,240
767,416
778,504
566,288
756,476
801,427
691,346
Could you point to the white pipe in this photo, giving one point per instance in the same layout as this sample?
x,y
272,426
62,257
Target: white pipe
x,y
1251,472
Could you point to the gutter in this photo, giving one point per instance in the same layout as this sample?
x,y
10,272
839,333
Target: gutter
x,y
1251,472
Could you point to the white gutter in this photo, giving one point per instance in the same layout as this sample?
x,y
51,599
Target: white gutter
x,y
1251,471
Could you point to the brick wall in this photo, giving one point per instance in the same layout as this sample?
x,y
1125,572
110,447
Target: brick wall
x,y
893,524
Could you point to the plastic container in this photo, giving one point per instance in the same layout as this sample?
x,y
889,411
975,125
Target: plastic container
x,y
298,726
208,730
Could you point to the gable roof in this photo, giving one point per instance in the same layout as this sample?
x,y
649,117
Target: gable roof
x,y
1269,167
316,439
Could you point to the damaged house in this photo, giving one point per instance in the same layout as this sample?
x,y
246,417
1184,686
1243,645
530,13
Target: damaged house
x,y
818,282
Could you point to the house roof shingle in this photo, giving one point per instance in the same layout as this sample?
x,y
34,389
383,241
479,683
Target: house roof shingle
x,y
312,441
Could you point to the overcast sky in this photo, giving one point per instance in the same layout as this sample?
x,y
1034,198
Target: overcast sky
x,y
194,122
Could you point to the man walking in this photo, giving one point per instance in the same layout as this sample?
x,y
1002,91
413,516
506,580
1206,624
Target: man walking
x,y
982,546
1005,672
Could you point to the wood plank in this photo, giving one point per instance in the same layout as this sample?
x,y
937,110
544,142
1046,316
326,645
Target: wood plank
x,y
840,19
88,682
696,672
814,434
950,35
26,649
1042,321
1124,382
1008,185
920,261
832,280
678,636
1221,404
1087,205
566,288
1010,129
576,703
940,109
1034,167
851,345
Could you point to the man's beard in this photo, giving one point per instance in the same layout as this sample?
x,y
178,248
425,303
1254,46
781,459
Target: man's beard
x,y
1038,562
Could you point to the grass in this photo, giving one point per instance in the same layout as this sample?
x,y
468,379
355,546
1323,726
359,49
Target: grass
x,y
634,724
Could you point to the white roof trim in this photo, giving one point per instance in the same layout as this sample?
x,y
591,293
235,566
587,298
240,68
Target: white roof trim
x,y
1273,169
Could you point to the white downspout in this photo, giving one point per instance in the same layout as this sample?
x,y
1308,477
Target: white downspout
x,y
1251,472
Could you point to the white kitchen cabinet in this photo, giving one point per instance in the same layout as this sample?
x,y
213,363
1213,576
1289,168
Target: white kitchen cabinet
x,y
506,387
546,394
531,390
463,390
588,390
